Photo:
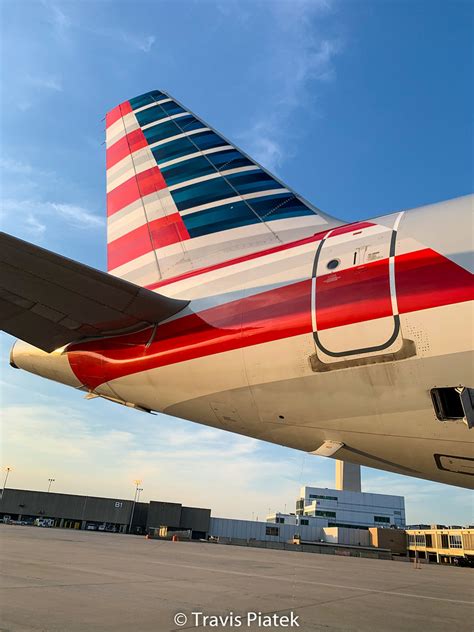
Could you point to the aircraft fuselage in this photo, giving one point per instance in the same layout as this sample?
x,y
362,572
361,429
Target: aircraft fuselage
x,y
340,336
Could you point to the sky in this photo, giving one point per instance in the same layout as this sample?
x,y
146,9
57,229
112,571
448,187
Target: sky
x,y
363,107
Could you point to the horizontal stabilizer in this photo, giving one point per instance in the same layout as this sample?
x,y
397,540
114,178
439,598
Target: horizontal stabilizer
x,y
49,300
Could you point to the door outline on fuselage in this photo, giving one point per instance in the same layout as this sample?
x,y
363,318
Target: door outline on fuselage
x,y
396,318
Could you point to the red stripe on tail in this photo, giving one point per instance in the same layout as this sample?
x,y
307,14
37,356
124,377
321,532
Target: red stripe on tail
x,y
126,146
139,186
118,111
157,234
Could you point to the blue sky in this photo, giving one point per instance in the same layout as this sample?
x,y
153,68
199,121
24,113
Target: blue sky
x,y
362,107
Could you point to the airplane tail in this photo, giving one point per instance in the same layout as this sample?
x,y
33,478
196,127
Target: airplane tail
x,y
182,197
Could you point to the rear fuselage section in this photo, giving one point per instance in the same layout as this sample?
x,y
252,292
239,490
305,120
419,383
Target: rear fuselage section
x,y
339,336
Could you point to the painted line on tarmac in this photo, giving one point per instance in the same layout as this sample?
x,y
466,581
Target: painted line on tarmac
x,y
314,583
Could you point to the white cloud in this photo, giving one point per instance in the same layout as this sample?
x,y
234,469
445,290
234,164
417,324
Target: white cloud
x,y
18,167
177,461
22,180
34,226
262,144
456,507
24,207
59,20
304,56
99,448
236,9
49,432
146,43
134,41
143,43
76,216
307,52
34,216
47,82
63,24
15,166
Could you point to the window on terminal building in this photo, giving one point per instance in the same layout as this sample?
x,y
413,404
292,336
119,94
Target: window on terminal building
x,y
325,514
280,520
455,542
272,531
429,540
444,541
321,497
383,519
304,521
420,539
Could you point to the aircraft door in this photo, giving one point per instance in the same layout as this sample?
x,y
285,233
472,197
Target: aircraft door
x,y
354,306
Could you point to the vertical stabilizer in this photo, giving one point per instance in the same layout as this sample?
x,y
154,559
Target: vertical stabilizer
x,y
181,197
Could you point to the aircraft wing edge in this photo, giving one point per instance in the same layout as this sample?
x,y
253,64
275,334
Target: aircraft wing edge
x,y
49,300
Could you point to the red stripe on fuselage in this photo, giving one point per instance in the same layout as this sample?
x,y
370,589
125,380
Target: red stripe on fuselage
x,y
356,294
347,228
267,316
426,279
139,186
156,234
273,315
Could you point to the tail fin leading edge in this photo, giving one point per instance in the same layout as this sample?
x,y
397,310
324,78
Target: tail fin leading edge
x,y
181,197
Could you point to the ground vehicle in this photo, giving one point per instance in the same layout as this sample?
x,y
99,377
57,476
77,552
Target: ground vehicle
x,y
44,522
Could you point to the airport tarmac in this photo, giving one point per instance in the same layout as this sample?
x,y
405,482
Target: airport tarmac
x,y
65,581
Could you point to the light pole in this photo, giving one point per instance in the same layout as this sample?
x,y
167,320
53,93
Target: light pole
x,y
7,470
51,481
138,489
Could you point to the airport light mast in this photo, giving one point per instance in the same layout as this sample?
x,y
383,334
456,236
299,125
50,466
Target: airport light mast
x,y
7,470
50,481
138,489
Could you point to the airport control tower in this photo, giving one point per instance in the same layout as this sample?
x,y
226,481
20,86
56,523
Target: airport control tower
x,y
346,504
348,477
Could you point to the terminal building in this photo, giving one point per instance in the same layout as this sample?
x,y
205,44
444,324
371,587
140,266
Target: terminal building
x,y
345,506
72,511
344,521
439,544
342,507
